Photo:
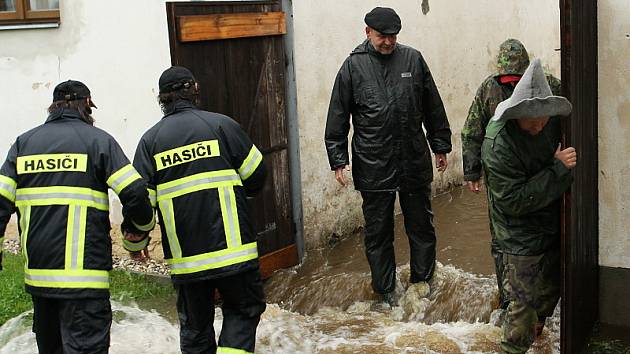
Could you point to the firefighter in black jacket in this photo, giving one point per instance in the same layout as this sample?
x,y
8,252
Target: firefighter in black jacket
x,y
56,176
200,167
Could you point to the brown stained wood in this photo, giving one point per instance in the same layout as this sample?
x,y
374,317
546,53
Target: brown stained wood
x,y
244,78
228,26
580,270
282,258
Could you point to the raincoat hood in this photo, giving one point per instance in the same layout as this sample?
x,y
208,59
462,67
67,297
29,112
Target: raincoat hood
x,y
532,98
513,58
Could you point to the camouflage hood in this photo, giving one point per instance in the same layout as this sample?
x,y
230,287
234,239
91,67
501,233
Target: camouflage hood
x,y
513,58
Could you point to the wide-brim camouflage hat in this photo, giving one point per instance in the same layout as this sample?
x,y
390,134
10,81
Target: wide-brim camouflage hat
x,y
532,98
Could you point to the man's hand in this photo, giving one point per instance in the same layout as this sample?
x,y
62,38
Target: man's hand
x,y
137,255
567,156
441,163
474,186
339,175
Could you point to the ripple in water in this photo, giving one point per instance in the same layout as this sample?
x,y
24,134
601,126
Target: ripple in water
x,y
455,318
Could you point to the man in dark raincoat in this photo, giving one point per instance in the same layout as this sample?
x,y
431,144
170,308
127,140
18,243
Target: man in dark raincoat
x,y
512,61
527,172
388,90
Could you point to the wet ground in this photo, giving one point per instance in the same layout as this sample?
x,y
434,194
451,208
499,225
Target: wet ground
x,y
326,305
463,240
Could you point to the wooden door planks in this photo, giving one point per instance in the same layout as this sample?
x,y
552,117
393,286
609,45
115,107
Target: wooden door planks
x,y
235,25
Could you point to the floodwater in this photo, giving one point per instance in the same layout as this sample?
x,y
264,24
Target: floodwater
x,y
326,305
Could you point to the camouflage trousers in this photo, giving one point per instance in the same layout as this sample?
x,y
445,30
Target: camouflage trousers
x,y
497,256
532,284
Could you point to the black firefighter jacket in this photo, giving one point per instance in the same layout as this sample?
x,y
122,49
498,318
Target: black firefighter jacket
x,y
57,176
200,167
389,97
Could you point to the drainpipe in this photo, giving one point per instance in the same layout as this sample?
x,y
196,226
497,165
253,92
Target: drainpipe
x,y
293,132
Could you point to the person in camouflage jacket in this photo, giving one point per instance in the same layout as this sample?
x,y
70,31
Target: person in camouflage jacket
x,y
512,61
527,171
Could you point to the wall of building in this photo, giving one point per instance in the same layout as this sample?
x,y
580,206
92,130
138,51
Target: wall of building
x,y
120,55
614,145
459,40
614,132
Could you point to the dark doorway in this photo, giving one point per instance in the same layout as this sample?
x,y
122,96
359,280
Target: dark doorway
x,y
236,51
580,244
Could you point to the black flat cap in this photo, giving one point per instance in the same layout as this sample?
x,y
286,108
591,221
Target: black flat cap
x,y
174,78
72,90
384,20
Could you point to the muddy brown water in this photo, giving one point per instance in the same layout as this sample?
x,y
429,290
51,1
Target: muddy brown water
x,y
463,241
326,305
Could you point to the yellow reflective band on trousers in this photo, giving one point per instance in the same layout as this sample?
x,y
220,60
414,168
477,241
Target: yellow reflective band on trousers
x,y
135,246
7,188
229,213
75,237
197,182
251,162
120,179
64,278
61,195
168,217
227,350
213,260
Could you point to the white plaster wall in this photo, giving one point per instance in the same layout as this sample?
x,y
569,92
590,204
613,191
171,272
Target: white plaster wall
x,y
614,132
459,40
120,55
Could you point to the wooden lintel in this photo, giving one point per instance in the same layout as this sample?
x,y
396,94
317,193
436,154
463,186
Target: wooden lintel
x,y
282,258
236,25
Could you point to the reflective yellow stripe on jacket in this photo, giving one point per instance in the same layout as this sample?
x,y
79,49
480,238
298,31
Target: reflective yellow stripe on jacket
x,y
135,246
223,181
152,197
147,227
213,260
7,188
64,278
120,179
78,200
250,163
61,195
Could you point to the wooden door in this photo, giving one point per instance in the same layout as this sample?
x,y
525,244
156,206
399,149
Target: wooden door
x,y
580,246
235,50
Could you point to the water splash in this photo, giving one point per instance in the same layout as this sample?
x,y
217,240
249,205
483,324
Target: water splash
x,y
356,329
336,313
133,331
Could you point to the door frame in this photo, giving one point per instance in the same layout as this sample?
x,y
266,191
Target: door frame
x,y
580,239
